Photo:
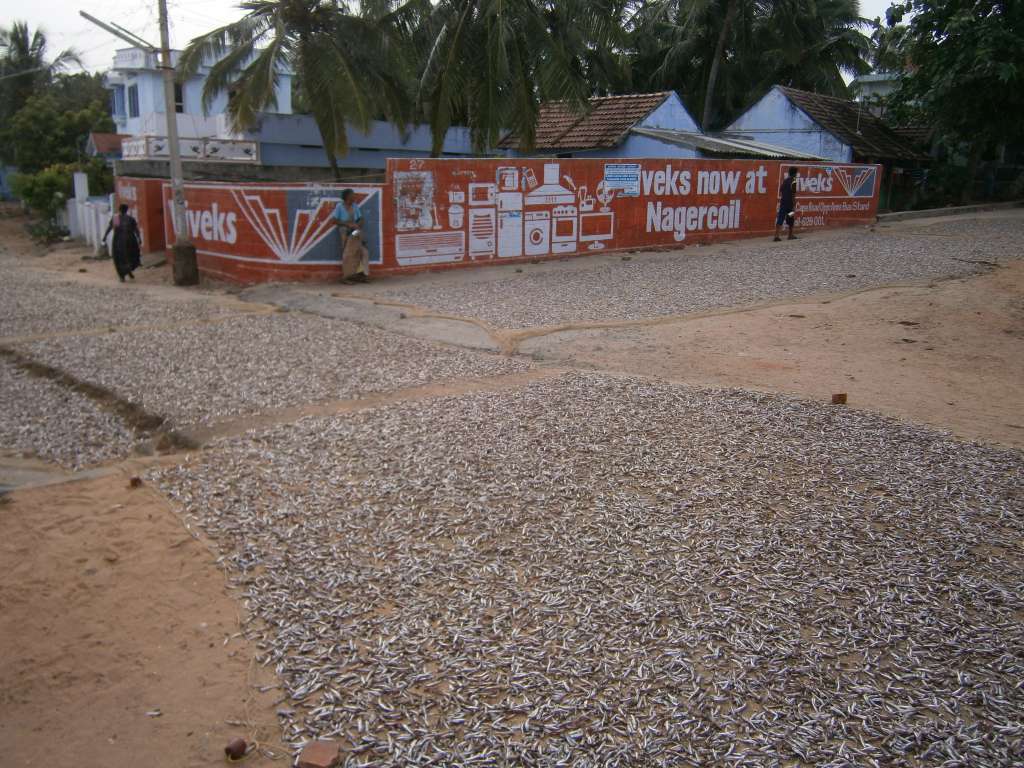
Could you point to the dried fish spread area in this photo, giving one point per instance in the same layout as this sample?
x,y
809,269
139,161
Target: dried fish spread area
x,y
34,302
247,365
43,419
593,571
658,284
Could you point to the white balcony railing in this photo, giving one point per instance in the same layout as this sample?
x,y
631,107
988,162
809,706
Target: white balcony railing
x,y
139,58
208,150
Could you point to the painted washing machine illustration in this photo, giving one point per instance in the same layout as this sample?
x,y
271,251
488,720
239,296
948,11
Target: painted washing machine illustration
x,y
538,232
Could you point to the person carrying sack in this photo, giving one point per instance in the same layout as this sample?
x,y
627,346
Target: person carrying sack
x,y
354,256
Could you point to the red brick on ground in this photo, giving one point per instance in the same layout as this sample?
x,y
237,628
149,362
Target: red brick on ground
x,y
320,754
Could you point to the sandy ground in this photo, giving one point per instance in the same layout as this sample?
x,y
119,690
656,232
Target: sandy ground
x,y
949,354
92,640
110,610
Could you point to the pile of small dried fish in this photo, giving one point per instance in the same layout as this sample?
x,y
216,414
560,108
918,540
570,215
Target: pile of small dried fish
x,y
656,284
593,571
36,302
41,418
250,364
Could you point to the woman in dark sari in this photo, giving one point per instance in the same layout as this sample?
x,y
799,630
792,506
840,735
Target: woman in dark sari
x,y
126,251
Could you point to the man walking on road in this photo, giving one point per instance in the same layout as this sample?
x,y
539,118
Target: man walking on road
x,y
787,205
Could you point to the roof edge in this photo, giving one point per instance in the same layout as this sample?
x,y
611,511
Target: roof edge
x,y
665,97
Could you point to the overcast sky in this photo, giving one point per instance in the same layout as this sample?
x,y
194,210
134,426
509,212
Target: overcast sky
x,y
65,28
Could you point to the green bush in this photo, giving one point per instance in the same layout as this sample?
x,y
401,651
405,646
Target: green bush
x,y
45,192
46,231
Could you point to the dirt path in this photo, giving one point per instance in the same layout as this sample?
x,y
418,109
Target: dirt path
x,y
110,610
949,354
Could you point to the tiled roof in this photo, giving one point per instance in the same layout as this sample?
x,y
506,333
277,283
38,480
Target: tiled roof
x,y
867,134
107,143
605,123
919,136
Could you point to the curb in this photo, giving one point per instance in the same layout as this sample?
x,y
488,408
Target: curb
x,y
949,211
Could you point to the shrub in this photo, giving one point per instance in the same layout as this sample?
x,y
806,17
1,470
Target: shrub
x,y
46,191
46,231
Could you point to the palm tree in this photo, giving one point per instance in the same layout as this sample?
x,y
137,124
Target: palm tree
x,y
349,67
695,36
597,35
723,53
813,43
491,63
887,46
24,66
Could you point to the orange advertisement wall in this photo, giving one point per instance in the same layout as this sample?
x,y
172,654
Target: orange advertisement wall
x,y
463,212
254,233
142,196
438,214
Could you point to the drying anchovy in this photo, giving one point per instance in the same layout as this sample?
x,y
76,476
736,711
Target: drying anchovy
x,y
597,571
41,418
245,365
695,279
38,302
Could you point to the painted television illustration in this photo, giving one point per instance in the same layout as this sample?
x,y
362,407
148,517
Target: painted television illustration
x,y
514,215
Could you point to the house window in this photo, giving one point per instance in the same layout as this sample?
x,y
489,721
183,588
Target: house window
x,y
179,98
133,101
117,102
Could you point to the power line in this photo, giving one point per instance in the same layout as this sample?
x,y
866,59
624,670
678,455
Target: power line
x,y
23,72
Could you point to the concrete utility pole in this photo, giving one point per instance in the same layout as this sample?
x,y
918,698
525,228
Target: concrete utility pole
x,y
186,271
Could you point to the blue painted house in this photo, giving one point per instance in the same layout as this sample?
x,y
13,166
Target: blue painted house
x,y
295,140
635,125
833,128
280,138
137,107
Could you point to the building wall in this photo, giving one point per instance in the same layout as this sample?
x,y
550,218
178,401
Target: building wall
x,y
295,140
445,213
455,213
133,67
875,86
285,139
645,146
255,233
775,120
143,198
671,115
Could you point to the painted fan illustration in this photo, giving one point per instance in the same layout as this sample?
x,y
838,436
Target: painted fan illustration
x,y
853,182
310,225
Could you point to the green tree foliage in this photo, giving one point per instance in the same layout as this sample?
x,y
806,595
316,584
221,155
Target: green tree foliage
x,y
49,130
45,192
79,91
25,67
886,52
723,54
964,68
811,44
349,64
491,63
